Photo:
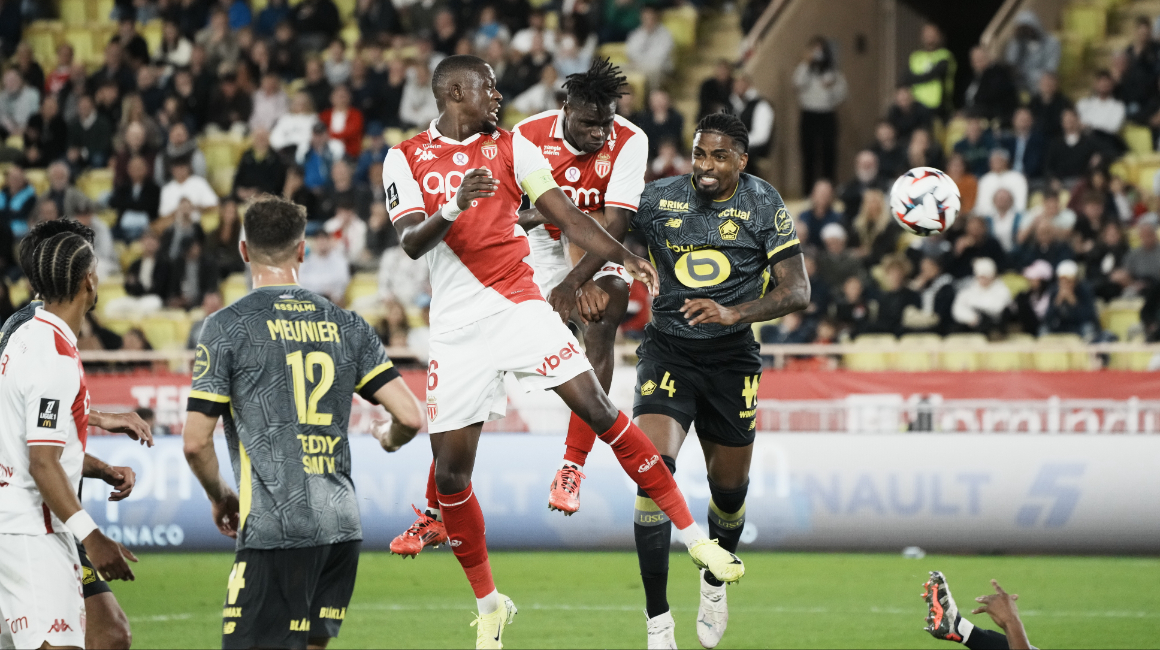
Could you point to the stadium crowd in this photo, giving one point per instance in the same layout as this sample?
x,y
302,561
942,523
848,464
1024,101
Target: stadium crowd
x,y
306,116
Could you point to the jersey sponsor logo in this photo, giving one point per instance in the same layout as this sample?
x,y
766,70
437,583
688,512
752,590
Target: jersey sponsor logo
x,y
231,612
436,183
687,248
459,158
60,625
783,223
572,174
582,196
88,576
551,362
334,613
648,388
491,150
432,409
648,464
674,223
424,155
4,362
18,624
551,150
703,268
734,212
728,230
673,206
300,625
200,361
603,165
46,416
392,197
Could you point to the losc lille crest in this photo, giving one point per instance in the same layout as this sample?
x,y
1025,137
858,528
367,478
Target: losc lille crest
x,y
432,409
603,165
491,150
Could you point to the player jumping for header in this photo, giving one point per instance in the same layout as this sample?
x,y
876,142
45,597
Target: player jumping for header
x,y
453,193
728,256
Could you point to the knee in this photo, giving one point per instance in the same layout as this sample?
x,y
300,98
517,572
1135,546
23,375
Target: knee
x,y
115,636
726,484
451,480
599,412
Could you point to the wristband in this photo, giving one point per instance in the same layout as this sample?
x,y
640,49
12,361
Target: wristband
x,y
81,525
450,211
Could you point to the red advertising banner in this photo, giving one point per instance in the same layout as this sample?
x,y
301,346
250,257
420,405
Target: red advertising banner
x,y
1104,384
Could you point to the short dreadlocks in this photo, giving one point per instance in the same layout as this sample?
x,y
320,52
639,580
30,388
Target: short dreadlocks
x,y
600,85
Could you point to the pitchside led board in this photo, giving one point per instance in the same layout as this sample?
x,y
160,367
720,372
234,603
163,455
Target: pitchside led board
x,y
1067,493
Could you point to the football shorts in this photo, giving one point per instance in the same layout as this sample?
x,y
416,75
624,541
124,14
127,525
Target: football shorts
x,y
40,591
711,383
91,581
281,598
467,365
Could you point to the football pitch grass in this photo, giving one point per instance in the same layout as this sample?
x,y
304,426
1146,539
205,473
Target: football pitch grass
x,y
594,600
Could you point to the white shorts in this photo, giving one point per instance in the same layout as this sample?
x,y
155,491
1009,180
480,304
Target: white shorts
x,y
551,262
40,591
467,366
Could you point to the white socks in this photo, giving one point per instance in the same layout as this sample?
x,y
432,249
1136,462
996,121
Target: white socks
x,y
488,603
965,628
692,534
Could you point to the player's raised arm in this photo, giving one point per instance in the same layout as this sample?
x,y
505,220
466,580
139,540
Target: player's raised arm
x,y
419,233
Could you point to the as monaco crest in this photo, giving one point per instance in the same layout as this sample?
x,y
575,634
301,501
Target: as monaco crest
x,y
432,409
490,150
603,165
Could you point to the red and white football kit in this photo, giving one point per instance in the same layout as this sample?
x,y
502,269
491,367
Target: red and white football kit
x,y
612,176
43,401
487,315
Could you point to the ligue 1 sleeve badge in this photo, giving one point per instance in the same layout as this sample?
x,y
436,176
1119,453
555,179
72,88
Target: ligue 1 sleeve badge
x,y
491,150
603,165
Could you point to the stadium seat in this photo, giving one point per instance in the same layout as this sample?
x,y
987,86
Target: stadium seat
x,y
346,9
43,42
221,152
350,35
221,179
19,292
956,130
162,333
917,352
1086,22
1138,138
682,24
362,286
101,11
118,325
233,288
38,178
84,49
15,142
1000,357
617,53
960,352
1056,361
1015,282
96,183
74,13
1121,315
210,219
877,357
152,32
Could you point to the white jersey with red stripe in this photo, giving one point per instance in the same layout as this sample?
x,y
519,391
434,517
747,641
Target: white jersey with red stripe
x,y
482,265
43,401
612,176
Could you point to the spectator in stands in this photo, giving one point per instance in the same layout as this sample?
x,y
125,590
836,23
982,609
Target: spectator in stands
x,y
522,41
661,121
175,50
229,107
820,294
932,72
319,158
113,70
1001,176
542,96
316,85
135,340
380,234
211,303
222,244
273,14
260,169
61,191
293,130
402,279
285,57
317,23
714,94
490,29
1090,221
821,211
132,144
866,176
366,93
148,274
976,145
1072,309
836,262
255,64
295,190
1043,244
325,270
620,18
46,134
1070,154
1104,260
791,329
1006,221
335,65
186,185
85,211
854,309
270,103
650,47
924,151
137,201
18,102
1142,263
180,145
107,101
906,115
345,123
821,90
374,154
875,232
891,153
974,242
29,69
1137,85
1103,114
992,91
17,201
192,97
757,115
1033,52
192,276
348,231
980,305
1030,306
1026,145
58,77
377,19
148,87
191,16
895,298
936,293
342,188
417,107
569,57
669,161
133,46
90,136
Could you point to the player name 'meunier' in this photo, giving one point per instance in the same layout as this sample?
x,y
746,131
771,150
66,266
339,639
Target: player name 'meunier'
x,y
298,330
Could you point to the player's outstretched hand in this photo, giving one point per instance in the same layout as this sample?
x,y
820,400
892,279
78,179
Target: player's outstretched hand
x,y
644,272
129,424
122,479
477,184
225,515
108,557
591,302
703,310
1000,606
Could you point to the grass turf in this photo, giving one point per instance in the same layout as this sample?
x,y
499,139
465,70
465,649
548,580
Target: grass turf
x,y
594,600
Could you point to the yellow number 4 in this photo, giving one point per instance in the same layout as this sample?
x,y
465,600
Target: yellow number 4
x,y
303,371
750,390
237,582
668,384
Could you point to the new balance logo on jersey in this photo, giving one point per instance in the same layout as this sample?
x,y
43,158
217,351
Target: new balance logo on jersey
x,y
59,625
553,361
46,417
649,464
423,154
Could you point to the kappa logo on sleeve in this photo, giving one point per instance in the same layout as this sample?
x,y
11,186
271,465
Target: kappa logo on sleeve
x,y
392,197
46,416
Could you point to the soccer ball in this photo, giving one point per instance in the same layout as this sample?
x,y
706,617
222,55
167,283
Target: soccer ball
x,y
924,201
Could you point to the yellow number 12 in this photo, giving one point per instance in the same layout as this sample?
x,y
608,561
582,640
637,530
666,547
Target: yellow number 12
x,y
304,372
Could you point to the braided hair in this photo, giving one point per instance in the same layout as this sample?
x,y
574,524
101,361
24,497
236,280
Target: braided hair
x,y
599,86
37,235
728,125
60,265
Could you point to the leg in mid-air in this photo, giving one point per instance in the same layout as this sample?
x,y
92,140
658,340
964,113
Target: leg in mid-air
x,y
944,621
428,529
599,342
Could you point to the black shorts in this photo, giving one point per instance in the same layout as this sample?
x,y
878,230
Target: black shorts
x,y
711,383
280,598
91,582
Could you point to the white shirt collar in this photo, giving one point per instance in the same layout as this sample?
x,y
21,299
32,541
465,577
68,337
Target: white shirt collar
x,y
57,324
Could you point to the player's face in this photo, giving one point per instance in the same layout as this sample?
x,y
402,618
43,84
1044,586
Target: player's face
x,y
482,99
717,165
587,126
